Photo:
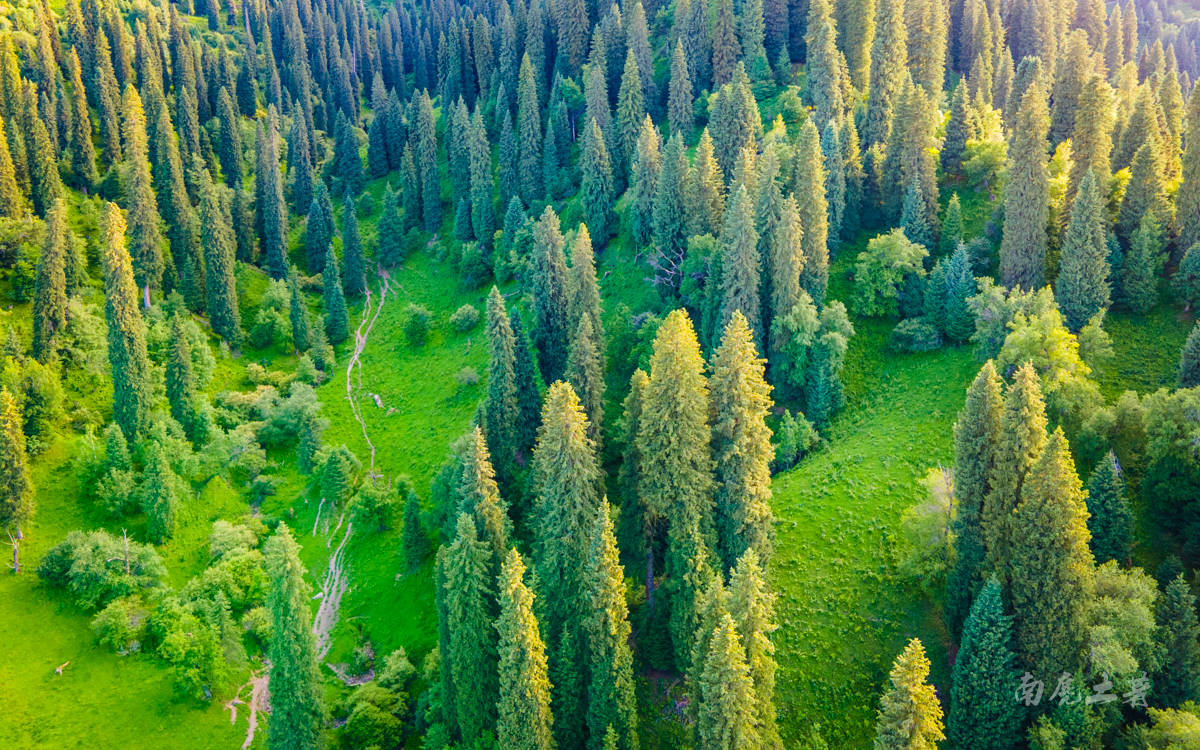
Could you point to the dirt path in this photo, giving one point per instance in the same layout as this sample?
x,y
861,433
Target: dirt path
x,y
332,589
371,313
259,701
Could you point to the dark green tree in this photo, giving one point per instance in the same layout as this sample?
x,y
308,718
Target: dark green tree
x,y
551,330
354,271
337,322
144,230
500,406
1026,195
50,287
126,329
319,229
16,484
983,713
596,184
216,237
1178,637
524,706
298,314
1110,520
390,248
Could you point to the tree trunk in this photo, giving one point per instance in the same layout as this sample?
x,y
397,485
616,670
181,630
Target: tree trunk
x,y
146,296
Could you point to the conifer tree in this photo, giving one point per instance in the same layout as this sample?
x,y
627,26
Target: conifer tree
x,y
1021,439
390,247
216,237
426,155
481,499
1178,635
46,184
1091,140
472,644
670,213
740,265
680,113
319,229
1146,193
1189,360
551,330
612,705
676,482
1082,287
631,110
1051,568
704,190
585,373
1026,196
12,200
1187,200
958,130
126,330
835,182
825,65
159,501
529,398
145,235
909,713
742,449
230,140
982,712
976,438
889,57
726,50
83,152
1143,264
377,151
500,405
483,212
814,213
913,220
726,719
297,714
647,166
524,708
416,540
298,314
50,287
786,261
181,381
596,183
271,207
16,485
337,324
752,606
354,271
529,135
1110,520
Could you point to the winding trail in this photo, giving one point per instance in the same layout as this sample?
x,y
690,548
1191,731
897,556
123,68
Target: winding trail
x,y
370,315
332,589
259,701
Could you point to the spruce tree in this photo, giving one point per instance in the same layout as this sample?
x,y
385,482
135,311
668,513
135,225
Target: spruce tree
x,y
1091,140
551,330
1110,520
680,112
1020,443
145,234
416,540
1050,566
1178,636
585,373
704,190
809,188
83,151
976,438
676,481
390,247
481,500
297,714
216,237
126,329
952,227
181,380
337,323
318,229
159,502
1143,265
524,707
12,200
726,50
1026,196
631,109
529,138
741,270
500,406
483,212
835,182
742,449
298,314
1146,194
16,484
272,209
427,163
825,64
49,307
643,184
670,214
889,57
910,716
726,718
785,261
354,270
471,654
230,140
1082,287
596,184
612,704
1189,360
529,398
752,606
983,713
958,130
1187,200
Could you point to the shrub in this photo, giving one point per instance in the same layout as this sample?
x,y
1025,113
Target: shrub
x,y
915,335
228,537
464,318
793,439
97,567
467,377
473,268
881,270
121,625
416,325
117,491
374,506
1185,284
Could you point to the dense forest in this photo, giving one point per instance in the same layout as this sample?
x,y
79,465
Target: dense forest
x,y
552,374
